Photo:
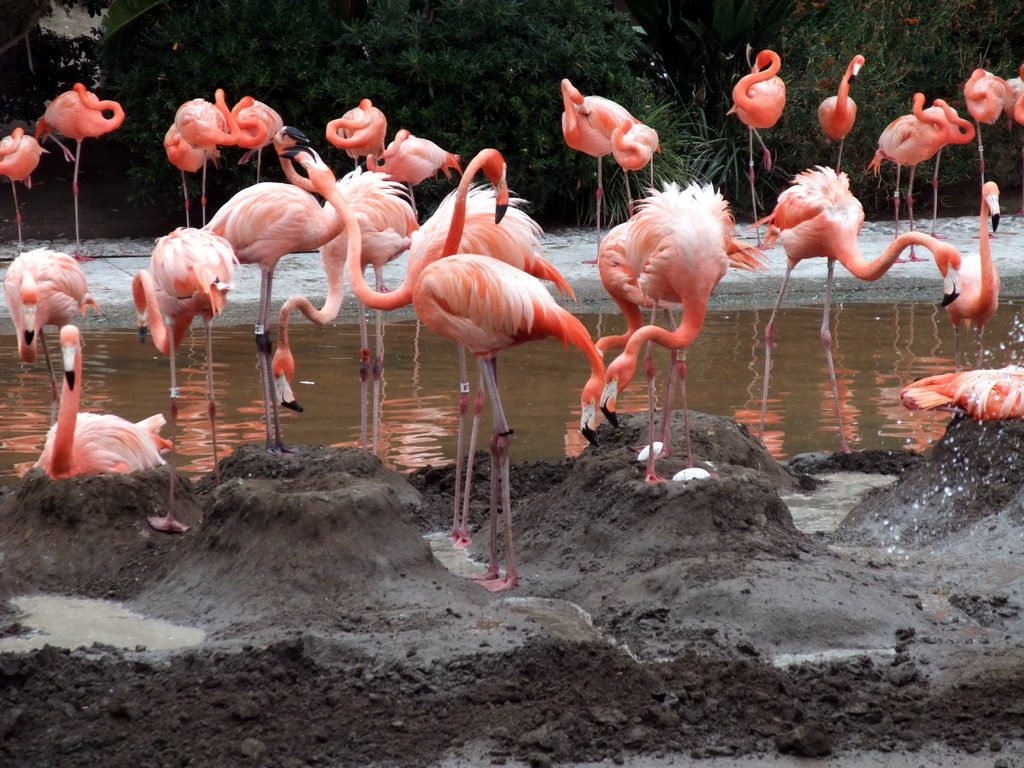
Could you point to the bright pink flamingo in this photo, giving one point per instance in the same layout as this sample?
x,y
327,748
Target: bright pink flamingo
x,y
1015,109
84,443
758,101
908,140
19,157
190,274
411,159
187,159
78,114
985,394
818,216
985,95
979,280
43,288
204,126
258,123
598,126
678,245
836,114
360,131
960,131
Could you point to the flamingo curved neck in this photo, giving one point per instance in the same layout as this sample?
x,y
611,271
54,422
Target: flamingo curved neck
x,y
858,266
62,449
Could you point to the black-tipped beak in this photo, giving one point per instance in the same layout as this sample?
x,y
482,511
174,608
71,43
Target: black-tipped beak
x,y
590,435
142,334
949,298
613,419
290,153
499,212
29,335
292,405
295,134
995,222
69,377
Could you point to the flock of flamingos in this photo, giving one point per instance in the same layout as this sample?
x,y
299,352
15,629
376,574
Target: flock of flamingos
x,y
475,268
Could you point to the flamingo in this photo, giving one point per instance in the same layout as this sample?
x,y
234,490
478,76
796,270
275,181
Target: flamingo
x,y
190,274
257,126
411,159
84,443
360,131
598,126
984,394
819,216
204,126
985,95
678,245
979,280
78,114
758,101
187,159
836,114
960,131
908,140
19,157
1016,111
44,287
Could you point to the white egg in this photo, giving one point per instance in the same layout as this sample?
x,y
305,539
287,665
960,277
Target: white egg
x,y
658,448
691,473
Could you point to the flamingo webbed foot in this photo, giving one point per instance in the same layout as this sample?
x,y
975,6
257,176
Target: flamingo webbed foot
x,y
167,523
498,584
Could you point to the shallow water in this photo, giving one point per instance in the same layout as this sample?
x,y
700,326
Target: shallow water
x,y
878,348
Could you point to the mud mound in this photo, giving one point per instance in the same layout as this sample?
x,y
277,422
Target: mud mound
x,y
89,535
871,462
974,473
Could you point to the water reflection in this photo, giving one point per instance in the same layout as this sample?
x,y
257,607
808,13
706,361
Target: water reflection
x,y
878,349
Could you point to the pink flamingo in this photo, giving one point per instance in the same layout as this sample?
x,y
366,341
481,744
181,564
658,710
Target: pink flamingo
x,y
758,101
257,126
985,95
204,126
979,279
960,132
360,131
84,443
678,245
78,114
187,159
411,159
1014,108
598,126
985,394
190,274
19,157
836,114
818,216
908,140
43,288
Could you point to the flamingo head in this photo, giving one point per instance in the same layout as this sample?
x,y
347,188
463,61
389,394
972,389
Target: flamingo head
x,y
316,169
858,62
284,371
69,345
991,194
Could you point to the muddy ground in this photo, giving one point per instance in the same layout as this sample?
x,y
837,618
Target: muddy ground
x,y
336,638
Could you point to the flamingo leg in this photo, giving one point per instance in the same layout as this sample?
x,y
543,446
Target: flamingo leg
x,y
264,347
769,342
169,523
826,340
202,196
629,194
459,535
669,402
500,491
956,346
478,406
981,347
935,192
981,154
378,361
211,406
681,366
364,375
184,191
753,193
17,216
839,159
910,211
598,196
896,201
652,476
54,389
74,188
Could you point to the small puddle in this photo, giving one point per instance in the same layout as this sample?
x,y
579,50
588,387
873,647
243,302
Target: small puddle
x,y
824,509
72,622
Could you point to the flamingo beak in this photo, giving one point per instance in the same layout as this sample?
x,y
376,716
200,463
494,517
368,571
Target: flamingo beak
x,y
611,389
590,435
951,286
29,335
285,395
67,355
142,333
294,134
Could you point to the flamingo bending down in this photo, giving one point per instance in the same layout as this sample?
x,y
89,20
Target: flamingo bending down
x,y
43,288
836,114
190,274
19,157
819,216
985,95
985,394
758,101
258,124
360,131
205,126
679,245
960,131
411,159
187,159
83,443
78,114
979,280
598,126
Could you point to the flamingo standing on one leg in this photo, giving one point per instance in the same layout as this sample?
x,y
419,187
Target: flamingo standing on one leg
x,y
360,131
758,101
19,157
257,126
83,443
190,274
43,288
960,131
78,114
411,159
979,280
187,159
819,216
836,114
204,126
679,243
985,394
985,95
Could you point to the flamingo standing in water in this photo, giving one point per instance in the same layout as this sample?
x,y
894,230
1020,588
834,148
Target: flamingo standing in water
x,y
187,159
758,101
836,114
360,131
190,274
84,443
679,246
78,114
257,126
43,288
979,280
19,157
985,95
984,394
598,126
205,126
411,159
818,216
